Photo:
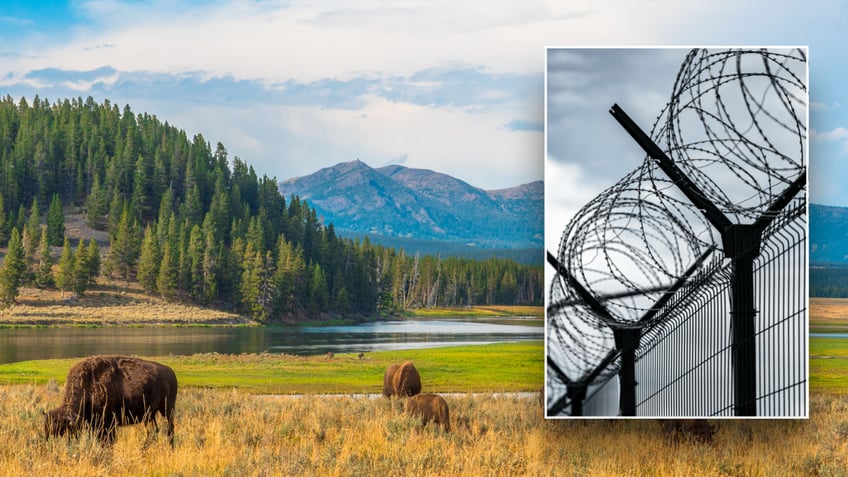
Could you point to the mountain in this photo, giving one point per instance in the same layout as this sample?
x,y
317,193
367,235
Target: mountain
x,y
396,201
828,234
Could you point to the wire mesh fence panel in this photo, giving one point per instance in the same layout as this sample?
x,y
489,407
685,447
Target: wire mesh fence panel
x,y
681,290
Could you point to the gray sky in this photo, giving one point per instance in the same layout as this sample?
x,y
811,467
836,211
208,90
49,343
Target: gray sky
x,y
587,150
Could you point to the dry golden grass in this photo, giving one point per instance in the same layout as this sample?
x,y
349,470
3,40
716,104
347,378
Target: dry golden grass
x,y
828,314
108,303
230,433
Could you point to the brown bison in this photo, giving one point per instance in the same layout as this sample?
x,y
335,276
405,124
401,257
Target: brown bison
x,y
104,392
429,407
699,430
401,380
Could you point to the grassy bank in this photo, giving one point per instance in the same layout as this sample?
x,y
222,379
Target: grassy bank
x,y
829,365
828,356
479,311
221,432
483,368
828,315
108,303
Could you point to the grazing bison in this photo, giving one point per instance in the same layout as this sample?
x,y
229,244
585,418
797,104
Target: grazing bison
x,y
699,430
429,407
104,392
401,380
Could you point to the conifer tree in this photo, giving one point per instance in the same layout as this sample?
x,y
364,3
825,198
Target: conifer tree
x,y
148,262
97,205
12,270
64,277
81,270
3,219
211,261
30,246
55,222
93,252
317,289
44,262
166,280
33,224
125,247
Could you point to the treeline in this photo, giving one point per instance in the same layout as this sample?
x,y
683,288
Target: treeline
x,y
829,281
189,223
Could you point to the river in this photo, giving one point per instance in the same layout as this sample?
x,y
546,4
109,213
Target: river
x,y
22,344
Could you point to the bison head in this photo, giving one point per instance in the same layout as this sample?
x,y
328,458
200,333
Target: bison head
x,y
58,422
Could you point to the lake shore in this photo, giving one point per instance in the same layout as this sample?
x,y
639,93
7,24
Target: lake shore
x,y
117,303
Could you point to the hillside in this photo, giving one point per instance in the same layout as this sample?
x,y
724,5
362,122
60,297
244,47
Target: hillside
x,y
401,202
186,222
828,234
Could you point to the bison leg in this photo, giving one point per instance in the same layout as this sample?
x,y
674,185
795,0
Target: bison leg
x,y
167,410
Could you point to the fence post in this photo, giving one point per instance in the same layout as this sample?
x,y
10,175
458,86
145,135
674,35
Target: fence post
x,y
742,244
627,340
576,394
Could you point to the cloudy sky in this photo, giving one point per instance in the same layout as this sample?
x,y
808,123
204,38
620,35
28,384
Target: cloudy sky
x,y
457,87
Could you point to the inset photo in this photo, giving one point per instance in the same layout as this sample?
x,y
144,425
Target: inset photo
x,y
676,233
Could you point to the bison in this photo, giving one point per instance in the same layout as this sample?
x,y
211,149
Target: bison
x,y
401,380
104,392
699,430
429,407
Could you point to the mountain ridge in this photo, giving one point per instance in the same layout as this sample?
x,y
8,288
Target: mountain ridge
x,y
828,234
397,201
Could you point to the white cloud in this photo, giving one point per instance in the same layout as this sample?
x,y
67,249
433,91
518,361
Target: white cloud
x,y
838,134
567,190
309,41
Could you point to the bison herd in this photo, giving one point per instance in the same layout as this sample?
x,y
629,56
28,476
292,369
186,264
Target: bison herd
x,y
105,392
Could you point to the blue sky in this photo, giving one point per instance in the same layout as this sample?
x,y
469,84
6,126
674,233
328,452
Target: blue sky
x,y
457,87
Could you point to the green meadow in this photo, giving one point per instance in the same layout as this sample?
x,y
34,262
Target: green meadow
x,y
505,367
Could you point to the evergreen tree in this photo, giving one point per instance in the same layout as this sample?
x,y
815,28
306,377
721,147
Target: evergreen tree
x,y
55,222
251,278
81,270
125,247
342,304
64,277
3,219
12,270
20,218
93,252
97,205
148,262
317,289
211,261
44,262
33,225
166,280
30,247
195,262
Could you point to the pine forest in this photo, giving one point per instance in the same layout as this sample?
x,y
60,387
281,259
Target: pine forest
x,y
189,223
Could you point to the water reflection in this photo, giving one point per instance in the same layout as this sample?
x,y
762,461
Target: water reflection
x,y
44,343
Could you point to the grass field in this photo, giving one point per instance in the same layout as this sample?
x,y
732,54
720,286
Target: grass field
x,y
109,303
228,432
480,311
828,315
505,367
828,356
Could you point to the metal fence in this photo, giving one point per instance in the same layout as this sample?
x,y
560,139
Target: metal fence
x,y
681,292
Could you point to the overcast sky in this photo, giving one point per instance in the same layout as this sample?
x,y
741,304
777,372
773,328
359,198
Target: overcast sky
x,y
457,87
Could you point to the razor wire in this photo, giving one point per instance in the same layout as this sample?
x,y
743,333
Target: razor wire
x,y
735,126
